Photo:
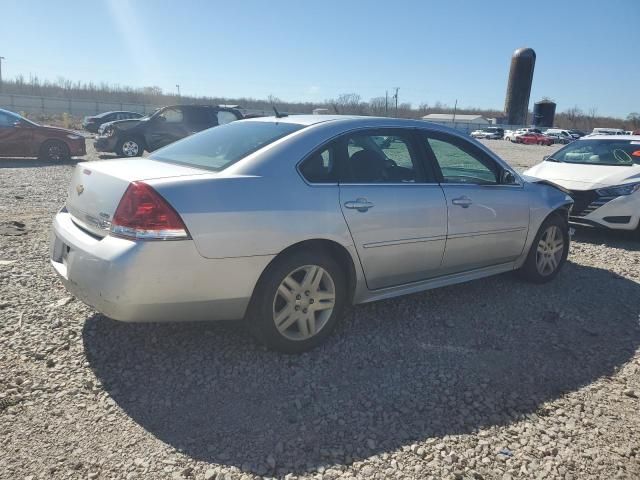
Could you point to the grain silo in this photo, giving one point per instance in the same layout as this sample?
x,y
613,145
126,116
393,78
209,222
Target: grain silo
x,y
516,105
544,113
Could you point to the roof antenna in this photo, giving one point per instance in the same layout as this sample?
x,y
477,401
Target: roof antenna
x,y
278,114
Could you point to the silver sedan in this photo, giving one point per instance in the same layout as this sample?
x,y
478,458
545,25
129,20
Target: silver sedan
x,y
282,222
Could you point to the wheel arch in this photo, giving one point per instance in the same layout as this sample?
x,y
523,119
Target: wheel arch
x,y
338,251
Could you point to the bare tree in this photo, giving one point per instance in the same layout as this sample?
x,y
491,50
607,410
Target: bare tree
x,y
377,106
573,115
634,119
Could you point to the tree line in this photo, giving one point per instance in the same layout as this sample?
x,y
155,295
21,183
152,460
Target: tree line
x,y
344,104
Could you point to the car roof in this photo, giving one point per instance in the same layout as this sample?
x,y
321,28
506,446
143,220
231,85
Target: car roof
x,y
356,121
611,137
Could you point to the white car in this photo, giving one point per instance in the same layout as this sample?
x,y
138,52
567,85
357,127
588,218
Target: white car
x,y
487,133
512,135
602,175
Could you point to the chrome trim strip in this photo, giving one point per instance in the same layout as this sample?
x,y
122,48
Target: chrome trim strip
x,y
487,232
404,241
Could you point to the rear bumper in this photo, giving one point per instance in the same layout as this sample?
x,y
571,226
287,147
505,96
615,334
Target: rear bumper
x,y
105,144
77,148
137,281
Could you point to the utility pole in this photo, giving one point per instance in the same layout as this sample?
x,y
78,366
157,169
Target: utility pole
x,y
178,87
386,103
455,108
396,97
1,58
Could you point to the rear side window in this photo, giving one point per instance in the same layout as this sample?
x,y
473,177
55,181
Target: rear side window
x,y
225,117
380,158
320,167
217,148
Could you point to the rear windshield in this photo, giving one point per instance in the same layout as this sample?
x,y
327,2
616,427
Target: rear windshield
x,y
219,147
600,152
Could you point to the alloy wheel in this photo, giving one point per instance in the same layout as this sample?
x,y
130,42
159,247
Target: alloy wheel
x,y
130,148
304,302
54,152
550,250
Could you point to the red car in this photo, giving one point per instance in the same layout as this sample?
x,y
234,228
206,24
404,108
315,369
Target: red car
x,y
534,139
20,137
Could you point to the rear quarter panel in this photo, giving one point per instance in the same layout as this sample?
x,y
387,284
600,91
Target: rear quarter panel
x,y
240,216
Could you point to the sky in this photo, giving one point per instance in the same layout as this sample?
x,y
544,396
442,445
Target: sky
x,y
588,52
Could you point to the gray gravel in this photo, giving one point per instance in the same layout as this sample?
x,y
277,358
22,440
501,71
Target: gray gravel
x,y
491,379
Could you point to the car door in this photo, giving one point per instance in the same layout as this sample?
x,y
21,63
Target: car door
x,y
15,136
488,209
394,209
166,127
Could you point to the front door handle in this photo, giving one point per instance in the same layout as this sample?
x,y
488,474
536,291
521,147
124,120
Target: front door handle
x,y
361,204
463,201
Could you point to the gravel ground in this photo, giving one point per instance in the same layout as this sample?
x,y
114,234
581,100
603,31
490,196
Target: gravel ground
x,y
491,379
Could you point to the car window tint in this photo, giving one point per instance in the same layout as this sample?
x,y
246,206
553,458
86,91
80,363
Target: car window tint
x,y
200,116
600,152
172,115
320,167
460,163
217,148
225,117
380,159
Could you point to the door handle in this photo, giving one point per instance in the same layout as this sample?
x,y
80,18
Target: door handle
x,y
361,204
463,201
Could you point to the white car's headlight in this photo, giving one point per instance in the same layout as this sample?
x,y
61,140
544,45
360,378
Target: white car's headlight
x,y
73,137
619,190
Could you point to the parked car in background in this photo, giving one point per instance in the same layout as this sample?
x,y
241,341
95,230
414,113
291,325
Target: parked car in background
x,y
512,135
91,124
559,135
576,133
20,137
607,131
253,236
130,138
603,176
489,133
531,138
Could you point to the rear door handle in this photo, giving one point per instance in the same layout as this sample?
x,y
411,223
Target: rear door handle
x,y
361,204
463,201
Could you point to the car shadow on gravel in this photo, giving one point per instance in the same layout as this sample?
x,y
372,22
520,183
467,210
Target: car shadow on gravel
x,y
448,361
611,238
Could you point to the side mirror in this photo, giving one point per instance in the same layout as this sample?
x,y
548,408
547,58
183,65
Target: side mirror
x,y
508,178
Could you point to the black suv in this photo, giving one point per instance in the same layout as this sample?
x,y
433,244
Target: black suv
x,y
130,138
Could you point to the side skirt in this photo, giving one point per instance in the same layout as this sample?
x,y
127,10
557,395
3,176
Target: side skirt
x,y
415,287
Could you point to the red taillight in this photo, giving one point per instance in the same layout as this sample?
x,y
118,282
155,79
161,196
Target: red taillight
x,y
143,214
636,153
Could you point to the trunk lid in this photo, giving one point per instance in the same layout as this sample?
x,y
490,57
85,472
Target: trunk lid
x,y
97,187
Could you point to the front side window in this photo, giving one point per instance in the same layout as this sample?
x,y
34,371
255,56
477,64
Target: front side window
x,y
461,162
600,152
217,148
171,115
379,158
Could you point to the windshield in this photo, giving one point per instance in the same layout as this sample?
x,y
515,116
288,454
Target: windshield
x,y
600,152
217,148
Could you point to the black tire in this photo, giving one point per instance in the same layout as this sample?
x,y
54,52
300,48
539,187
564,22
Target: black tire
x,y
54,151
530,271
262,309
130,147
